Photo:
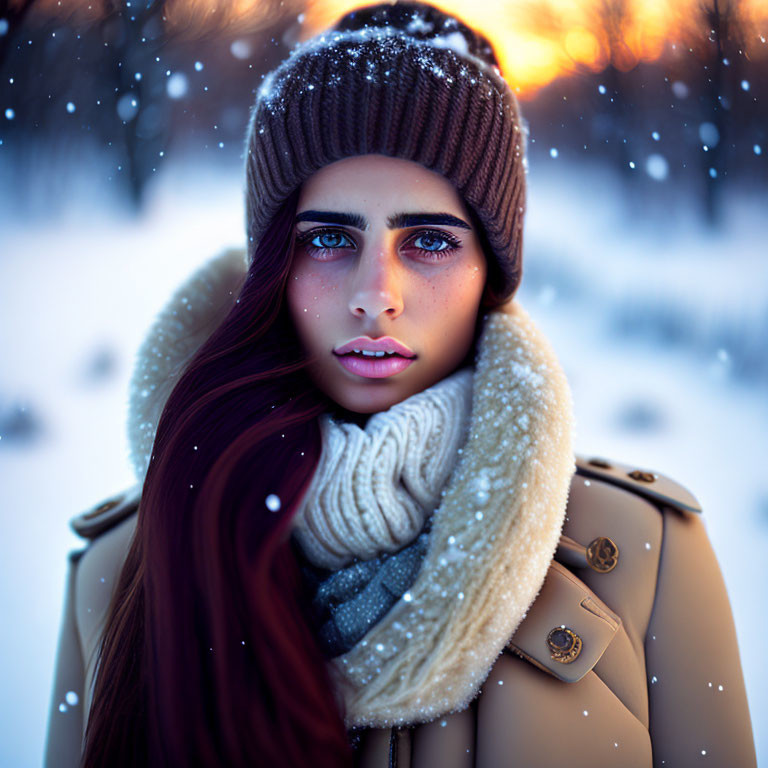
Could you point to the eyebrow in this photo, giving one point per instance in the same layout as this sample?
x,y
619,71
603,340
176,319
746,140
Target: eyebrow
x,y
395,221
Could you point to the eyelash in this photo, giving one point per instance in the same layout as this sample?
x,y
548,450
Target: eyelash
x,y
453,244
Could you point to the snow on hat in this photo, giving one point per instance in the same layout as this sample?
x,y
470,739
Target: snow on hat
x,y
404,80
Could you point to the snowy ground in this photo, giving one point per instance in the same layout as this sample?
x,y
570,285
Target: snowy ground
x,y
77,294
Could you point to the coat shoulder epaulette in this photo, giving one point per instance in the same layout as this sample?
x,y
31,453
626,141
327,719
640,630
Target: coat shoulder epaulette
x,y
107,513
654,486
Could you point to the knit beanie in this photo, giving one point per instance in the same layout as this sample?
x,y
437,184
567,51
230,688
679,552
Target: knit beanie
x,y
404,80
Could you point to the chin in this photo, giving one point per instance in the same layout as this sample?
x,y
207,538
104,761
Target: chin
x,y
369,398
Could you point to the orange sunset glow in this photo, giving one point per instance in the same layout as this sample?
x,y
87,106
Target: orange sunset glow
x,y
539,40
536,40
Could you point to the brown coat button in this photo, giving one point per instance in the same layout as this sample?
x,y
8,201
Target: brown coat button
x,y
602,554
564,644
645,477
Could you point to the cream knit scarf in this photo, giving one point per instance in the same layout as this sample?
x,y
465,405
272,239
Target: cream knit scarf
x,y
374,488
487,457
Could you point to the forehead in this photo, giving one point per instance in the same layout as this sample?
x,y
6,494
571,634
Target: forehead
x,y
379,182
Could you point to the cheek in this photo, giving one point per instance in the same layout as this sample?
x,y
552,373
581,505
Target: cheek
x,y
461,288
475,272
309,298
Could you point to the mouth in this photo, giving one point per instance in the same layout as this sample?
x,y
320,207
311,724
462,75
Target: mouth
x,y
373,367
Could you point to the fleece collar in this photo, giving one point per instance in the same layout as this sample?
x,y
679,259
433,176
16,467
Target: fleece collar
x,y
492,538
189,317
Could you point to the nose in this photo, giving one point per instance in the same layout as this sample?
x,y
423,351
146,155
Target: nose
x,y
376,286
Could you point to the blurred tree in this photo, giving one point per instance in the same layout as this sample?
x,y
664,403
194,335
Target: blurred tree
x,y
133,33
98,79
611,20
721,57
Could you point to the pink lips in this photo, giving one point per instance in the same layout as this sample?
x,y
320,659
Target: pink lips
x,y
374,367
382,344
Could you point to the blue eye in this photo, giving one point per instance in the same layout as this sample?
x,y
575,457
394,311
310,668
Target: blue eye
x,y
320,241
332,240
434,239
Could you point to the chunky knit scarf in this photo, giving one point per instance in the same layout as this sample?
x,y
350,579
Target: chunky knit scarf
x,y
374,488
431,529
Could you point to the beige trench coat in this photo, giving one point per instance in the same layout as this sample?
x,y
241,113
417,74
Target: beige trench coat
x,y
628,657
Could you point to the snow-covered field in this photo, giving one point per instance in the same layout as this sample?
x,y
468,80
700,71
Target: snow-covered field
x,y
662,330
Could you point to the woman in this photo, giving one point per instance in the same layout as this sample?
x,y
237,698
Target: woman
x,y
360,534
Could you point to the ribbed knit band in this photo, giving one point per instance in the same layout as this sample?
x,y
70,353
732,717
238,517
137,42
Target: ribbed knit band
x,y
375,486
380,90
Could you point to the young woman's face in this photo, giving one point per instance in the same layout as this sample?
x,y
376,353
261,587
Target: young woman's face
x,y
385,250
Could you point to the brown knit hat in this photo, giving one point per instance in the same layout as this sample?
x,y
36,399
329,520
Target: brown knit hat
x,y
404,80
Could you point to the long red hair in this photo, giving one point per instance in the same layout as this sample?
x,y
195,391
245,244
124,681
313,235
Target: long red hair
x,y
208,655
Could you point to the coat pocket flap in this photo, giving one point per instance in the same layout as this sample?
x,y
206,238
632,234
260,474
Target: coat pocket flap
x,y
567,628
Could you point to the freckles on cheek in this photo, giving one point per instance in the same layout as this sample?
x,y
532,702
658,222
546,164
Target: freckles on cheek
x,y
311,294
471,283
458,287
472,273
